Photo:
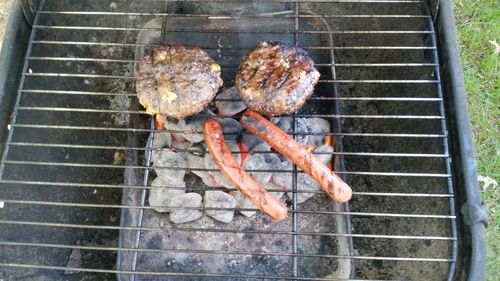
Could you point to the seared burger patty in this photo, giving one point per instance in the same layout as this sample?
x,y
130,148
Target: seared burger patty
x,y
177,80
274,79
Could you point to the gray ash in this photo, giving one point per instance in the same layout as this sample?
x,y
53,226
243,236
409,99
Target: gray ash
x,y
191,251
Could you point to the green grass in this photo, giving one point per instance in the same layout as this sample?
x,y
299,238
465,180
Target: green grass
x,y
478,23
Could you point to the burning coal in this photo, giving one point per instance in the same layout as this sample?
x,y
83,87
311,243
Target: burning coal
x,y
180,151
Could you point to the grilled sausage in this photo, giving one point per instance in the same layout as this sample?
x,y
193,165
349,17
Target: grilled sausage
x,y
252,190
334,186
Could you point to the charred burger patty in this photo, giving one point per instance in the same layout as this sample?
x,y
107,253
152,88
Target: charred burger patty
x,y
177,80
274,79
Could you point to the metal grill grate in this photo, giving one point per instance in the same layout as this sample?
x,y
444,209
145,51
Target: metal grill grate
x,y
76,129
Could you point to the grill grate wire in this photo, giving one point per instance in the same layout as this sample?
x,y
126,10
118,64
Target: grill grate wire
x,y
21,126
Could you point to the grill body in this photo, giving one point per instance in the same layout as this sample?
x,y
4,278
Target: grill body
x,y
390,86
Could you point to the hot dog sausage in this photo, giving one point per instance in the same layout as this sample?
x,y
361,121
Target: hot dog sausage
x,y
334,186
252,190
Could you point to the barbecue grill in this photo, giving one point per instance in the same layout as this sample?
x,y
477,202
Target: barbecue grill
x,y
76,166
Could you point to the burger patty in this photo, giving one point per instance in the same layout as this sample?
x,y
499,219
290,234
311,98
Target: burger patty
x,y
177,80
274,79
